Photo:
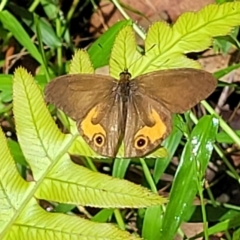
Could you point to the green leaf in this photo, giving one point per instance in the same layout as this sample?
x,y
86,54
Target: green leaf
x,y
223,137
120,167
14,190
49,37
171,144
101,49
124,52
103,215
193,32
151,229
193,163
35,221
81,63
6,87
17,152
11,23
51,8
34,125
230,223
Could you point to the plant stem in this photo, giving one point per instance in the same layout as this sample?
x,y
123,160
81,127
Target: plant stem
x,y
135,26
148,175
59,49
223,124
3,4
33,5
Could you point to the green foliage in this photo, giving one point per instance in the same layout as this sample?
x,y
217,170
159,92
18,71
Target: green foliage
x,y
44,149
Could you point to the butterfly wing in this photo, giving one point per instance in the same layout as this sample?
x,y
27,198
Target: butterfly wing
x,y
148,123
153,98
177,89
90,99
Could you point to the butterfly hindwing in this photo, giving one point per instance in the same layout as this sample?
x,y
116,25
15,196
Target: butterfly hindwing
x,y
102,127
148,123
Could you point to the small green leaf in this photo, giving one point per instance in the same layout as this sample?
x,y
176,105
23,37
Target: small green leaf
x,y
230,223
124,52
81,63
103,215
223,137
6,87
101,49
120,167
152,223
170,144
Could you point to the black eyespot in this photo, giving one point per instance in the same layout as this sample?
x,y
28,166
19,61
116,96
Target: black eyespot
x,y
141,142
99,140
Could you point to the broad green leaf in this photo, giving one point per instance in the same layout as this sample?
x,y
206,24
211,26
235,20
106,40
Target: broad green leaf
x,y
11,23
6,82
193,32
36,223
14,190
101,49
35,126
17,152
236,234
79,185
193,163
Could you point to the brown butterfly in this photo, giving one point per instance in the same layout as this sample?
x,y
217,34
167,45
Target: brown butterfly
x,y
136,111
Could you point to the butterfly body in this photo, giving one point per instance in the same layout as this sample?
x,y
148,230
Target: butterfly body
x,y
135,111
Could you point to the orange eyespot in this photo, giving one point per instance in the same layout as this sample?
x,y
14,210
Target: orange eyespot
x,y
141,142
99,140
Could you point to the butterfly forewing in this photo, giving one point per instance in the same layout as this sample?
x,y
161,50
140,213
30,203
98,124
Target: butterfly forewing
x,y
177,89
76,94
90,100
